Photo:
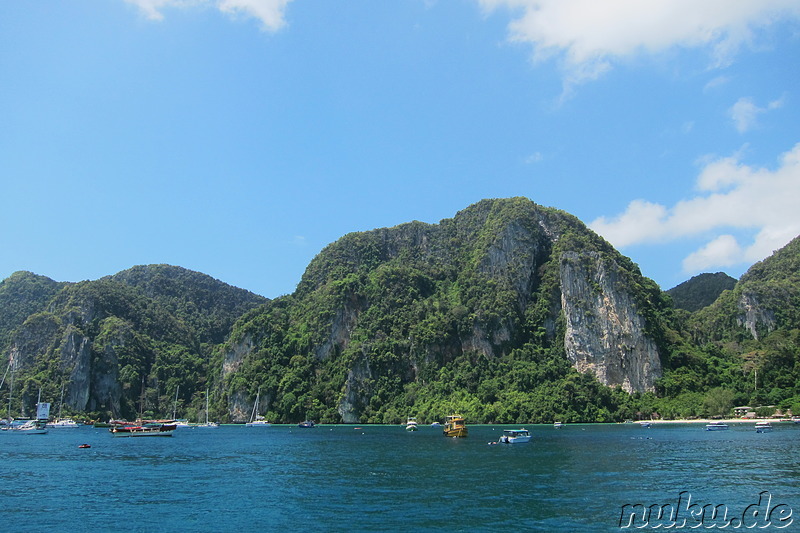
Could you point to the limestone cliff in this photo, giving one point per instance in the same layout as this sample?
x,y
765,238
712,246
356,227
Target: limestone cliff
x,y
395,307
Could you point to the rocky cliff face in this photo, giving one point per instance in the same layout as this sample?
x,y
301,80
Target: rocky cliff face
x,y
605,335
397,302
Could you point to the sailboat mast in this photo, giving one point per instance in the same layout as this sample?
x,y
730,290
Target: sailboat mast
x,y
175,405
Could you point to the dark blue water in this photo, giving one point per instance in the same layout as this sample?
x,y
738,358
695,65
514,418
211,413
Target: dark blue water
x,y
337,478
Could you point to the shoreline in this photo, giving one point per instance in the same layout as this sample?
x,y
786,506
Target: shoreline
x,y
724,420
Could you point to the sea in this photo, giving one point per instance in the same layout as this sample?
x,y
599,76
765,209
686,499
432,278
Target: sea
x,y
593,477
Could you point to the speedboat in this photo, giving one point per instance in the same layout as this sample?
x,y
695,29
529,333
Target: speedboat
x,y
716,426
558,424
644,424
515,436
455,426
306,424
411,424
763,427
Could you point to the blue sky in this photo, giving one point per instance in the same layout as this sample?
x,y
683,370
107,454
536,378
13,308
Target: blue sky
x,y
239,137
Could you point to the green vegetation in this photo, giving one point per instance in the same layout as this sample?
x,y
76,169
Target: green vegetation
x,y
700,291
419,319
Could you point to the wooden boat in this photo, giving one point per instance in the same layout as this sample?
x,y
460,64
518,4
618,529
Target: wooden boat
x,y
455,426
147,430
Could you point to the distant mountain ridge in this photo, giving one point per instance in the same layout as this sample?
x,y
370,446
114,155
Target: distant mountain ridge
x,y
119,342
507,312
701,291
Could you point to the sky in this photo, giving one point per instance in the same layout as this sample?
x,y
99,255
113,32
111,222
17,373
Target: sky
x,y
238,138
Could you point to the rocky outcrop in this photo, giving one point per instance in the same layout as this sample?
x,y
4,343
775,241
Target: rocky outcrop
x,y
605,335
753,316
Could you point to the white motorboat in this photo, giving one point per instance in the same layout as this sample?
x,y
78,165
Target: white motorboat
x,y
63,423
763,427
411,424
716,426
515,436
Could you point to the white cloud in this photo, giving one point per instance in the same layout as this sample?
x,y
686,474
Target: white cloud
x,y
589,35
269,12
745,113
730,195
721,252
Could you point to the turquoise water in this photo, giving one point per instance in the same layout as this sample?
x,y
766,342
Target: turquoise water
x,y
382,478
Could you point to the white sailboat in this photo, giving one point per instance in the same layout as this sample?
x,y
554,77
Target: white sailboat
x,y
256,420
62,422
208,424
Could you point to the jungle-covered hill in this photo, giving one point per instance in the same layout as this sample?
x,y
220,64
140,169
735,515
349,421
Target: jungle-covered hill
x,y
507,312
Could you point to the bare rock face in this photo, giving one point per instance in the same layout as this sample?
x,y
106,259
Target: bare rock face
x,y
604,333
753,316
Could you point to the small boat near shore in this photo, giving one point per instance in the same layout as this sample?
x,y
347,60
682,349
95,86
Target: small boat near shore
x,y
30,427
716,426
411,424
763,427
256,420
455,426
306,424
146,430
62,423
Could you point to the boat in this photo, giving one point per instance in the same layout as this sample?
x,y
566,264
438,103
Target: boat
x,y
63,423
763,427
436,425
454,426
411,424
716,426
644,424
515,436
146,430
37,426
256,420
306,424
30,427
558,424
207,424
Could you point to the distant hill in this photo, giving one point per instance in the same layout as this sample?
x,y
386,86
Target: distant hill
x,y
122,344
22,294
700,291
508,312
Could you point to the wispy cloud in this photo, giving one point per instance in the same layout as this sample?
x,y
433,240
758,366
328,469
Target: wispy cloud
x,y
744,113
269,12
731,195
589,36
